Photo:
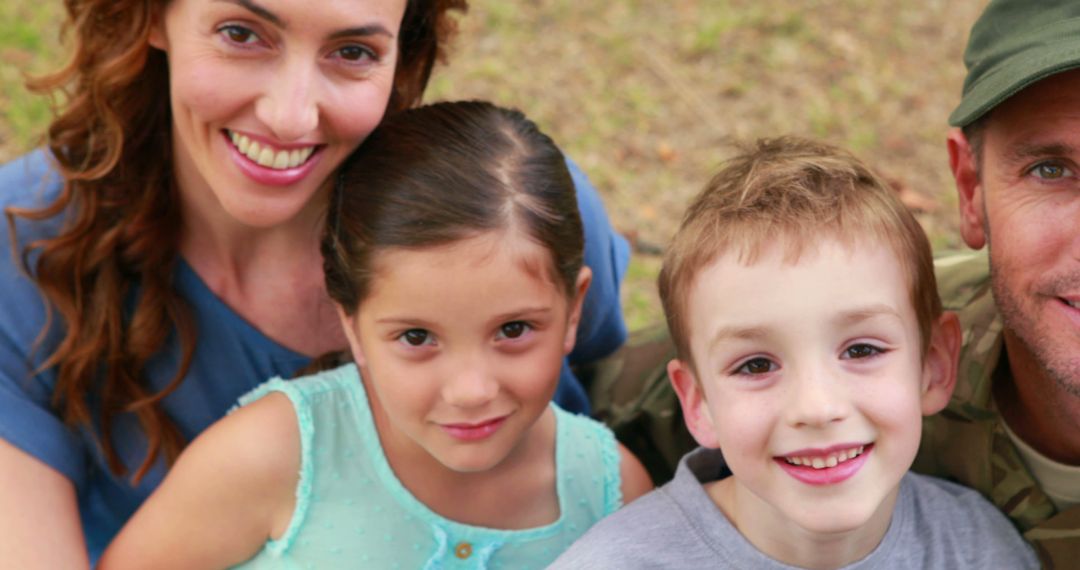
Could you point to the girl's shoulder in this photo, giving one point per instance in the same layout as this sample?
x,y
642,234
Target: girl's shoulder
x,y
255,442
321,414
304,390
588,446
288,411
236,478
308,401
581,427
263,437
588,461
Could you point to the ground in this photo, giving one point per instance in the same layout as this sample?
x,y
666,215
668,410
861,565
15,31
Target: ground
x,y
648,96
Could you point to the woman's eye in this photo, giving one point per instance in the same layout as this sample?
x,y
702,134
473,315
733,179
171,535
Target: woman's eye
x,y
861,351
757,366
416,337
239,34
355,53
513,329
1050,171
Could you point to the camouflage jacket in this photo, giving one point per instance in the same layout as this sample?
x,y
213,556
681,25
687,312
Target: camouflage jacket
x,y
967,441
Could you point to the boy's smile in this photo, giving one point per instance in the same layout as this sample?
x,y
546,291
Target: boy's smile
x,y
825,466
808,374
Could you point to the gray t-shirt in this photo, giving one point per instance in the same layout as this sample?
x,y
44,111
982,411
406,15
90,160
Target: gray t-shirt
x,y
936,524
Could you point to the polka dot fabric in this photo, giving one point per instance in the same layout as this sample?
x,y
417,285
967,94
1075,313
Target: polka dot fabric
x,y
352,512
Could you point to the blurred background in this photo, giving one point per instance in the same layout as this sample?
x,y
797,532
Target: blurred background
x,y
647,96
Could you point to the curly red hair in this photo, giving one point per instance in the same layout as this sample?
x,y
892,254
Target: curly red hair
x,y
111,142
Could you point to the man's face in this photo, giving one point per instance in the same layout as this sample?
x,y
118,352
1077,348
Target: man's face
x,y
1026,206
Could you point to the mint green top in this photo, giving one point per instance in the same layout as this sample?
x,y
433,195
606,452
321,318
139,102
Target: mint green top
x,y
353,512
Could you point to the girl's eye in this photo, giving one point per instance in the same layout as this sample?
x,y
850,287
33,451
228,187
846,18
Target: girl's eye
x,y
416,337
513,329
1050,171
856,351
239,34
355,53
757,366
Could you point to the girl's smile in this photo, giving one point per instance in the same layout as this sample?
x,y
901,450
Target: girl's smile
x,y
475,431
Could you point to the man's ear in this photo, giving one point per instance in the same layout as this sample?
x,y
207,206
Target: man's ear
x,y
940,363
581,287
348,322
969,189
692,399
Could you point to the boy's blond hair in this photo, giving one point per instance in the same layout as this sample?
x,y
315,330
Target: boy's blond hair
x,y
793,192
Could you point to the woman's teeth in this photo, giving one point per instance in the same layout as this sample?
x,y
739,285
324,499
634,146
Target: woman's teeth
x,y
265,155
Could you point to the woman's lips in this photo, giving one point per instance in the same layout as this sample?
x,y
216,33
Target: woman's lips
x,y
269,175
268,155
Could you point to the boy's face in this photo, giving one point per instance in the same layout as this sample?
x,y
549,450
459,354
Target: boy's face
x,y
808,375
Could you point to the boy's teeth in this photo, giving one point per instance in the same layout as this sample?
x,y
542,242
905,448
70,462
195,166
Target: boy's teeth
x,y
267,156
832,460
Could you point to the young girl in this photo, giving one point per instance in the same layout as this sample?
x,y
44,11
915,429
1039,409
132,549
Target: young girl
x,y
453,249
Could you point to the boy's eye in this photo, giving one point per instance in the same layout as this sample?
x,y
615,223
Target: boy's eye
x,y
416,337
238,34
861,351
757,366
513,329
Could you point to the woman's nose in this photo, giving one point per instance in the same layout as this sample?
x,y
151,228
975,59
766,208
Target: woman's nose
x,y
289,107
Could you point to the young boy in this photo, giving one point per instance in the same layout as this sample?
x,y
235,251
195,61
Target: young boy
x,y
801,298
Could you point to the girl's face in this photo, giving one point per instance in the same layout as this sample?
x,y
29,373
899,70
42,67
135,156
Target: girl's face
x,y
461,347
269,96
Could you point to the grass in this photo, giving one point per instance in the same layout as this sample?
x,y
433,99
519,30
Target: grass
x,y
29,42
647,96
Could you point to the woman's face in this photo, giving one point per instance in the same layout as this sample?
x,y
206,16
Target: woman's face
x,y
269,96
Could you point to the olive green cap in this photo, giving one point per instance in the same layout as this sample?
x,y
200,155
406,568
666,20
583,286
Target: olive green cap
x,y
1014,44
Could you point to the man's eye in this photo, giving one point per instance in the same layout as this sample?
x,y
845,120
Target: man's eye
x,y
757,366
239,34
861,351
415,337
513,329
1050,171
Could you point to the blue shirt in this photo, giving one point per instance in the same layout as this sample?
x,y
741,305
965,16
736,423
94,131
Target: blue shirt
x,y
231,356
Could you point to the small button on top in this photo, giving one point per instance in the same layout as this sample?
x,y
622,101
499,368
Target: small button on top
x,y
463,550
